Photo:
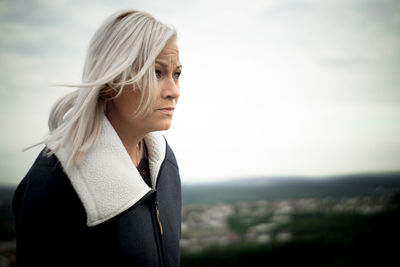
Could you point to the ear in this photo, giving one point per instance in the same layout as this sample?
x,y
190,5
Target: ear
x,y
108,92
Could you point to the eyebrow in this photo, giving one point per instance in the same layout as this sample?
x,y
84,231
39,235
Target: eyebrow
x,y
166,65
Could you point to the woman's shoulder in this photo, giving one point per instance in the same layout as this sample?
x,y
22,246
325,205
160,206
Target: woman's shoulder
x,y
46,170
170,156
45,184
46,210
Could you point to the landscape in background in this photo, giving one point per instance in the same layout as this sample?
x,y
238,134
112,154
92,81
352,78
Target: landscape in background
x,y
335,221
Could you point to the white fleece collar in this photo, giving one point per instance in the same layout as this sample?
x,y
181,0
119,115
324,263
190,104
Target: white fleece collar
x,y
106,181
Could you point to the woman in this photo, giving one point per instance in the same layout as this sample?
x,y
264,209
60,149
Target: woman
x,y
106,188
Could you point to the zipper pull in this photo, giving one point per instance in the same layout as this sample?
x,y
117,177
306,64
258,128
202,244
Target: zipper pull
x,y
158,218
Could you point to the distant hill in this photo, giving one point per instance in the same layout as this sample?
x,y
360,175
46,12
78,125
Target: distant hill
x,y
268,188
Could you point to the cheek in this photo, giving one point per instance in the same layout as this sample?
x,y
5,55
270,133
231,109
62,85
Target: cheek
x,y
124,108
127,104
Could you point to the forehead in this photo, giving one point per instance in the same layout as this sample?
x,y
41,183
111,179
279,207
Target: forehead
x,y
170,53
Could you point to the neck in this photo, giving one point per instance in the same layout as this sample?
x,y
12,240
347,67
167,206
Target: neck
x,y
132,140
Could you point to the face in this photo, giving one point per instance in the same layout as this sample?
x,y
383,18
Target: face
x,y
167,70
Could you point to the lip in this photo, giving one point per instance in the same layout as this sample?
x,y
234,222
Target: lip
x,y
167,110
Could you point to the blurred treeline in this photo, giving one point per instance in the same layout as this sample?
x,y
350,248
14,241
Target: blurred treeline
x,y
283,188
6,217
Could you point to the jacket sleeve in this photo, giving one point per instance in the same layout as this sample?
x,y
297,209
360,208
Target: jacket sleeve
x,y
49,219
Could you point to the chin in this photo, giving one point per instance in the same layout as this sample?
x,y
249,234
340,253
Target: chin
x,y
162,126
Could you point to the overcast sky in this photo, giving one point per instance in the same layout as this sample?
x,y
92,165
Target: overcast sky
x,y
269,87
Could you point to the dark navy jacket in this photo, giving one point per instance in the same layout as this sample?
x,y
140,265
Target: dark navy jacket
x,y
51,222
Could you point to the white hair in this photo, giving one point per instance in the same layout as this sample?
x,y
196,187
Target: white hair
x,y
121,52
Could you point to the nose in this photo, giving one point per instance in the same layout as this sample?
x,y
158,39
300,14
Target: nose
x,y
169,88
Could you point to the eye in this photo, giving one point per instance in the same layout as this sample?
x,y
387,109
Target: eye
x,y
177,74
158,74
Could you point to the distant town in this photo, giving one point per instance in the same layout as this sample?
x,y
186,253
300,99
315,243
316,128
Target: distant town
x,y
261,221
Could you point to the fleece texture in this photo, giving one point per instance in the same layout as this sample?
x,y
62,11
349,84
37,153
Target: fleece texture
x,y
106,180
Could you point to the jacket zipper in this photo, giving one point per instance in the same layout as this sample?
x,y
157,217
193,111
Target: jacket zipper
x,y
159,231
158,218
